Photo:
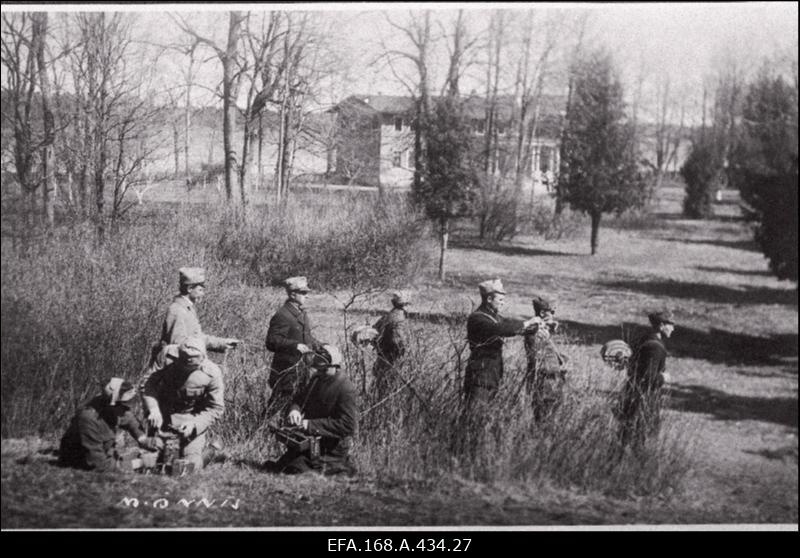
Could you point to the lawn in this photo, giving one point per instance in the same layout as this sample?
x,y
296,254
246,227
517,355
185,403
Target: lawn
x,y
733,405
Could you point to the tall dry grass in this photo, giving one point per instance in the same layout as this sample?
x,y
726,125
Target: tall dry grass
x,y
74,312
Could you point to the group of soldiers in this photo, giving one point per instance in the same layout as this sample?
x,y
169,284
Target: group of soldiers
x,y
182,390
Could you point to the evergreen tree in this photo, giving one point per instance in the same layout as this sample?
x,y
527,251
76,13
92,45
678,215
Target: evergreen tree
x,y
764,166
598,172
448,186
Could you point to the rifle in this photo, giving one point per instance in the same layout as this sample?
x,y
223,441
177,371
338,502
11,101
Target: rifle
x,y
296,440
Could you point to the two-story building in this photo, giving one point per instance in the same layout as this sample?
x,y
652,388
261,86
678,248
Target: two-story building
x,y
375,140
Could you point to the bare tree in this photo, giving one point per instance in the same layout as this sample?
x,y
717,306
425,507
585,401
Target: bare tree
x,y
19,61
228,56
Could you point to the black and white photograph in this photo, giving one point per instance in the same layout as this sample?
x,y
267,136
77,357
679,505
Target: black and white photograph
x,y
425,269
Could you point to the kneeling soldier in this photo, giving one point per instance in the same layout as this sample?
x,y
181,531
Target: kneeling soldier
x,y
90,442
327,408
183,392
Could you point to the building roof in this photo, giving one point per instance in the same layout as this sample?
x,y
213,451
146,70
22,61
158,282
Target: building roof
x,y
475,105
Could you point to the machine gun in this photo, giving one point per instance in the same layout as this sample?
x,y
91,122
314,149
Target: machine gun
x,y
166,460
296,440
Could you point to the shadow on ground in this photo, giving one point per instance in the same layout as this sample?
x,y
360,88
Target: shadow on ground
x,y
505,249
715,345
747,272
705,292
749,245
726,406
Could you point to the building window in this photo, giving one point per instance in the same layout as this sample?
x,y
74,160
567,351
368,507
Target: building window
x,y
479,127
398,123
501,131
397,159
544,158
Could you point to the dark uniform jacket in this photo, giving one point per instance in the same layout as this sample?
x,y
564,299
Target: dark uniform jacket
x,y
289,326
393,335
329,404
90,439
485,332
646,369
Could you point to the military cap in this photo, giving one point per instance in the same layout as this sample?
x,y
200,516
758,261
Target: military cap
x,y
328,356
401,298
615,349
661,317
491,286
543,304
118,389
192,348
192,275
298,284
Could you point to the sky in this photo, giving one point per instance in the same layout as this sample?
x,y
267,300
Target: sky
x,y
678,38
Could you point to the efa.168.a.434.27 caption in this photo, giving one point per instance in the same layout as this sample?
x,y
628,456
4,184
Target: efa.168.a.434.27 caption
x,y
399,544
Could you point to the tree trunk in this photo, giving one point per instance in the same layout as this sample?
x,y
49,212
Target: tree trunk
x,y
187,125
444,236
229,102
176,149
595,230
39,29
260,181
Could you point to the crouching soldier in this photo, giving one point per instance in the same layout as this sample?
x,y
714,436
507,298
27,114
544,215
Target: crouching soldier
x,y
547,367
326,407
183,393
90,442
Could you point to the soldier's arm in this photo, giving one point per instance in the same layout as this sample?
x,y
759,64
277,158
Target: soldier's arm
x,y
487,328
214,405
344,419
92,442
131,424
216,344
278,339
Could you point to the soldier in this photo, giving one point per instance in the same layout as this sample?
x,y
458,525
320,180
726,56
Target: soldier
x,y
640,404
183,392
485,331
90,442
289,337
547,367
390,344
325,407
181,321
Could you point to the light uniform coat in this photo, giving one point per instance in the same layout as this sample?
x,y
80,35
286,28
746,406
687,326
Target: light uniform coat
x,y
181,322
195,397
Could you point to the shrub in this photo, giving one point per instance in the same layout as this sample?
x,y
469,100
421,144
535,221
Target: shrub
x,y
74,313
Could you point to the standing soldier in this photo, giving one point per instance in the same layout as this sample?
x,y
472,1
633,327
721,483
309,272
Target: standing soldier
x,y
325,407
289,337
181,321
90,442
390,344
183,392
547,367
485,331
640,405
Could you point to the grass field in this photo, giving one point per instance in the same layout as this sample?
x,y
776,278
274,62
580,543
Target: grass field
x,y
733,405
